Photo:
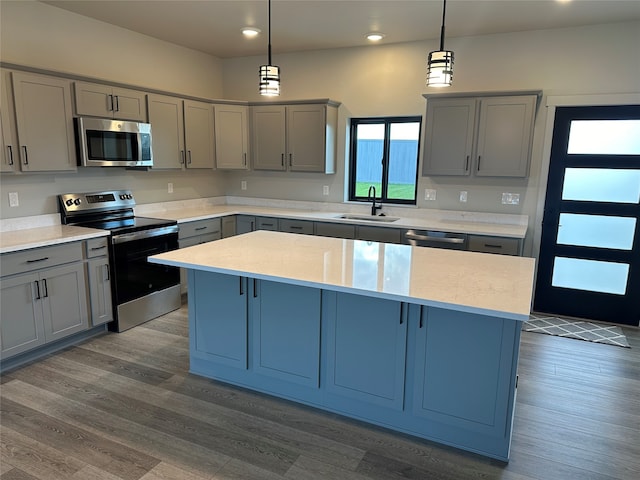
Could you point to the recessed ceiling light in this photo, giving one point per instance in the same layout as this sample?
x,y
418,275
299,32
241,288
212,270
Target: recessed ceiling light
x,y
250,31
375,36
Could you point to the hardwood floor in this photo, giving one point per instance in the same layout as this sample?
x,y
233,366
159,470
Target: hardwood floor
x,y
123,406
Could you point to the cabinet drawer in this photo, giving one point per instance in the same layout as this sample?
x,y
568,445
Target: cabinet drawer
x,y
378,234
198,239
505,246
336,230
37,258
200,227
267,223
97,247
296,226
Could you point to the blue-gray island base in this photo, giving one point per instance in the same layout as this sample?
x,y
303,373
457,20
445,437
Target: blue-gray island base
x,y
420,340
445,375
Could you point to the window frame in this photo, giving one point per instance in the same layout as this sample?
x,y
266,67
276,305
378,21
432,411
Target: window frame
x,y
353,150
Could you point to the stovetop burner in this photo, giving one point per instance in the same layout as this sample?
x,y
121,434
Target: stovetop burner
x,y
110,210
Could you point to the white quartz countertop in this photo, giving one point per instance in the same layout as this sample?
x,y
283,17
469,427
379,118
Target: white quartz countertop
x,y
26,238
457,225
481,283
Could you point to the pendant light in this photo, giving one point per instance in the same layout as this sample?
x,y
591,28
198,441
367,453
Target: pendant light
x,y
269,74
440,64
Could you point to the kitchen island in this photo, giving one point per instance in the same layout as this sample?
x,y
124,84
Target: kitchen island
x,y
419,340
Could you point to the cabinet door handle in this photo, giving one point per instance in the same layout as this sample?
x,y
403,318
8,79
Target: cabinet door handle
x,y
181,157
241,289
37,289
189,161
420,322
255,288
117,104
466,165
106,269
282,159
244,160
45,288
10,149
38,260
290,159
110,106
26,155
479,157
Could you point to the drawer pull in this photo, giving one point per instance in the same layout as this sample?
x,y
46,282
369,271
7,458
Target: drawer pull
x,y
93,249
201,228
489,245
414,236
295,227
38,260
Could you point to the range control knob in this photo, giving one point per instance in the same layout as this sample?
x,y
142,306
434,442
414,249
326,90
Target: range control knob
x,y
122,196
77,201
69,202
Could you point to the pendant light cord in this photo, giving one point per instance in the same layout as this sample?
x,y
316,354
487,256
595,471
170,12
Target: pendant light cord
x,y
269,32
444,10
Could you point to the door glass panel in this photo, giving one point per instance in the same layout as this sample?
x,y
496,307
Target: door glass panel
x,y
591,275
601,185
604,137
596,231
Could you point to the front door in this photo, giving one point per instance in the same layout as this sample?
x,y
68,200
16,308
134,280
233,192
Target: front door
x,y
589,264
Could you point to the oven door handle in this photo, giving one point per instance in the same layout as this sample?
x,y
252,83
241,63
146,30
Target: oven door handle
x,y
141,234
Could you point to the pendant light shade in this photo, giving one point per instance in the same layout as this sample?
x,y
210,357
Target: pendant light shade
x,y
269,74
440,62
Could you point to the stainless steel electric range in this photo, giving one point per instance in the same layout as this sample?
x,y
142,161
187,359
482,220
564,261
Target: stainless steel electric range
x,y
140,290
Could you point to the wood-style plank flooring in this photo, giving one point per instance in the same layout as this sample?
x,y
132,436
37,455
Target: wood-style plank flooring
x,y
123,406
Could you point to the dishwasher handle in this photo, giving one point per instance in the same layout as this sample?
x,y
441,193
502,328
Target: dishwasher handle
x,y
415,236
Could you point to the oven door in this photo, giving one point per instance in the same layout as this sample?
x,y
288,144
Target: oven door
x,y
133,276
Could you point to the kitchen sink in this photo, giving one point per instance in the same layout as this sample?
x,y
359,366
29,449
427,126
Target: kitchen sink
x,y
369,218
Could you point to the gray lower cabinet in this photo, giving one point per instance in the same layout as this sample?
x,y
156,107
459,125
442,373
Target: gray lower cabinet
x,y
295,226
266,223
99,281
195,233
228,225
41,307
245,224
379,234
336,230
502,245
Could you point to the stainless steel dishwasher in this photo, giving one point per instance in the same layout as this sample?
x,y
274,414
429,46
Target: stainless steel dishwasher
x,y
436,239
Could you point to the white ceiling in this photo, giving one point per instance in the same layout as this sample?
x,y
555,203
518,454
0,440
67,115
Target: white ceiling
x,y
213,26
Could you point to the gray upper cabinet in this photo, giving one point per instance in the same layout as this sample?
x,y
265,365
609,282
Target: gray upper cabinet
x,y
505,130
99,100
449,136
44,124
268,142
198,134
232,136
8,138
296,137
489,136
182,133
167,131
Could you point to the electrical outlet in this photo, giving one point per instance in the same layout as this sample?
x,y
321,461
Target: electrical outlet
x,y
325,190
463,196
429,194
13,199
169,187
510,198
243,185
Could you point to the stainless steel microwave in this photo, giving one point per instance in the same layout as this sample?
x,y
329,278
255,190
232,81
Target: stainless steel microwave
x,y
104,142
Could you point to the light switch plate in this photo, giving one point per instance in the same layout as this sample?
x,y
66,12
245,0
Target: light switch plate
x,y
170,187
325,190
510,198
243,185
463,196
13,199
429,194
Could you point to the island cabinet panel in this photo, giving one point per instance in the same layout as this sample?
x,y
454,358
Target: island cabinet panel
x,y
286,332
219,303
464,378
366,349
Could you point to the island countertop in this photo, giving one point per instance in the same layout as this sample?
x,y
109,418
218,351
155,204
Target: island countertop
x,y
486,284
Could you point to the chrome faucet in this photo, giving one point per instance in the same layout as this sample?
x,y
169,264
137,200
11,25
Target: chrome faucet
x,y
372,199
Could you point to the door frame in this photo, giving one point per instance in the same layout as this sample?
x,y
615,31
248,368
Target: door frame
x,y
552,102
